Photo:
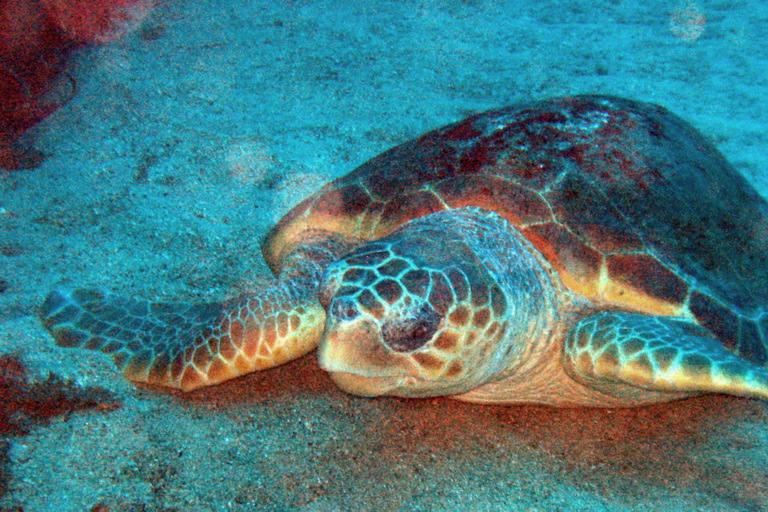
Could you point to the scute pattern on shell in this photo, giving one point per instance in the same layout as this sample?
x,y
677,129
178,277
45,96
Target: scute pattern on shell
x,y
630,204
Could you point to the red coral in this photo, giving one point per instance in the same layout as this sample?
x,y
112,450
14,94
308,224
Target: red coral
x,y
96,21
36,38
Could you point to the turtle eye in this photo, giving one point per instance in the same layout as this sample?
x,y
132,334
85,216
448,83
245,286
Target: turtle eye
x,y
344,308
411,333
421,331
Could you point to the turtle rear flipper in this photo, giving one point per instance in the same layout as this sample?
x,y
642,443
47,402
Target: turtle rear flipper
x,y
186,346
651,359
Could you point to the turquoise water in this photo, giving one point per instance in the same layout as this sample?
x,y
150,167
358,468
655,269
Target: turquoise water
x,y
194,132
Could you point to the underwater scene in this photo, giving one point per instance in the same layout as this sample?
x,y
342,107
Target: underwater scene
x,y
221,288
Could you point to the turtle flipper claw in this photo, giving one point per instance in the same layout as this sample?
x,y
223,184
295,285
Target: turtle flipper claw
x,y
627,354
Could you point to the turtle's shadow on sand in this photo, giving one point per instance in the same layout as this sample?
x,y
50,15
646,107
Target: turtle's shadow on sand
x,y
702,446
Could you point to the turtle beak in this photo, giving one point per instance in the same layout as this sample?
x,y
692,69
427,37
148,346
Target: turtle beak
x,y
365,386
356,359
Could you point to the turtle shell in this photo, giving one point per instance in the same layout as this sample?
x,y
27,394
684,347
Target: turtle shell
x,y
631,205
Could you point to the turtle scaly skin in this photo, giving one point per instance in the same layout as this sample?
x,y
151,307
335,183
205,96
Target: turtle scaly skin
x,y
586,250
472,312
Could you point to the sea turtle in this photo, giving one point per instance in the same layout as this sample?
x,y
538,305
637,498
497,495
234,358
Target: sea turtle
x,y
586,250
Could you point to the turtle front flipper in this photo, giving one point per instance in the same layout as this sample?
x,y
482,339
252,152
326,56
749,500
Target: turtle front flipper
x,y
191,346
640,359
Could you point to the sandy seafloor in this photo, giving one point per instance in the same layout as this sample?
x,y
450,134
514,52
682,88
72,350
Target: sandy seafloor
x,y
189,137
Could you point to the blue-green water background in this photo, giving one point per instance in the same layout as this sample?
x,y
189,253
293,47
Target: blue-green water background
x,y
191,135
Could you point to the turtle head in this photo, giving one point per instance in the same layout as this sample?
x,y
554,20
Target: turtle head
x,y
418,313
